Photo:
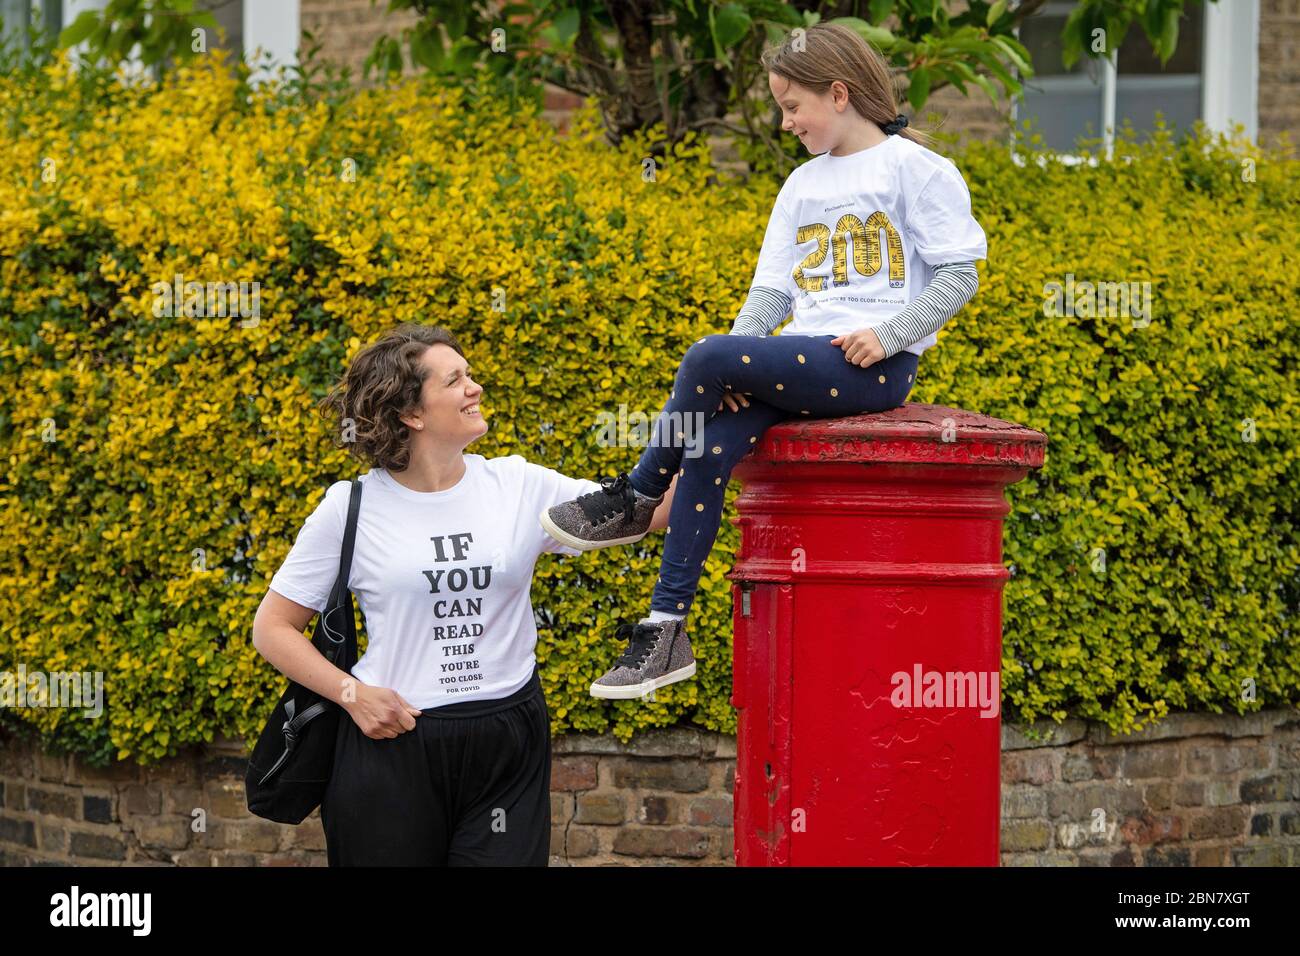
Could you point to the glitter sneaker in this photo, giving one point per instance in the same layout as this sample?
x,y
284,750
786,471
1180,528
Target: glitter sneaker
x,y
614,515
656,655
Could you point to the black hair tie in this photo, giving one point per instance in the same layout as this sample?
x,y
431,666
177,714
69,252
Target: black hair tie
x,y
899,122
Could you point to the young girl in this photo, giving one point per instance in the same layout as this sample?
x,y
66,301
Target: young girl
x,y
872,245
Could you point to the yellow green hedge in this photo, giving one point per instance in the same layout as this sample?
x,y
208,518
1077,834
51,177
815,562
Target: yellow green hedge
x,y
186,452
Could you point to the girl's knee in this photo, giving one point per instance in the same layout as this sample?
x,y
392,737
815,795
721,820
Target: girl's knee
x,y
707,349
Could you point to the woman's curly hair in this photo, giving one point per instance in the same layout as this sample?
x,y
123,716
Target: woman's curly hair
x,y
383,381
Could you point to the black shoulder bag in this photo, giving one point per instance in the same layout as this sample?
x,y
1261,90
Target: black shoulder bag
x,y
291,763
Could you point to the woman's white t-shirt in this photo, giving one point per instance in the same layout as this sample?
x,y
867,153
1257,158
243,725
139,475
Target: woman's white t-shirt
x,y
853,239
442,577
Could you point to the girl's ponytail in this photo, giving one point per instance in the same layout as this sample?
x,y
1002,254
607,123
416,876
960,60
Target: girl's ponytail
x,y
831,51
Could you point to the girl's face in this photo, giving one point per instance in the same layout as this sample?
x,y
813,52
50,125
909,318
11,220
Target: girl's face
x,y
816,119
449,411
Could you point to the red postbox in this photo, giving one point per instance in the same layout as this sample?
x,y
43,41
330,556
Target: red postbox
x,y
868,638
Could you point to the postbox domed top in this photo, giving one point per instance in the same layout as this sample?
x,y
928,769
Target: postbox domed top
x,y
914,432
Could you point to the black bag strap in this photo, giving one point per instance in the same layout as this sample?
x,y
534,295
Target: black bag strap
x,y
349,537
339,637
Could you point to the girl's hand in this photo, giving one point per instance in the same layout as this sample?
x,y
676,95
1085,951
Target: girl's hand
x,y
728,400
861,347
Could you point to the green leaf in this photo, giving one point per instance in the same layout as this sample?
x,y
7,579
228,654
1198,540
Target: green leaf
x,y
952,76
455,22
1152,19
983,83
878,10
426,48
1072,37
918,89
719,52
566,25
877,36
79,28
995,12
1168,35
990,60
465,53
393,58
731,24
1016,53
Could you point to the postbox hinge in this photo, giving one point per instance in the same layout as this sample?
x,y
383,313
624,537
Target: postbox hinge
x,y
746,588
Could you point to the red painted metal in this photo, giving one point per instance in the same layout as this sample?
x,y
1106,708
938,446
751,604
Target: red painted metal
x,y
871,551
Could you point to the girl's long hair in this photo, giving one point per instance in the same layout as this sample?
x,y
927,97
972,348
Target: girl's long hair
x,y
832,51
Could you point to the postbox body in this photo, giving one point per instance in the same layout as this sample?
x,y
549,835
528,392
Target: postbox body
x,y
867,609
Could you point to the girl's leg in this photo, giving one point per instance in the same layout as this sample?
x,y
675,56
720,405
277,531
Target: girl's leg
x,y
802,375
696,513
816,387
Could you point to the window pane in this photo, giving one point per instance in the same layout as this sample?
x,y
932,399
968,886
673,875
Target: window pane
x,y
1136,55
230,15
1138,99
1066,105
1041,36
1062,112
1063,104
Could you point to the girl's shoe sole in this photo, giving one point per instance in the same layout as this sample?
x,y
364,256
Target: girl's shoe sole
x,y
629,691
582,545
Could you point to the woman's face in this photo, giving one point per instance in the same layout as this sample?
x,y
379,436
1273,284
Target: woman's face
x,y
450,398
811,117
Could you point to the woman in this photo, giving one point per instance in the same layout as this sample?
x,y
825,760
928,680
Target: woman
x,y
446,757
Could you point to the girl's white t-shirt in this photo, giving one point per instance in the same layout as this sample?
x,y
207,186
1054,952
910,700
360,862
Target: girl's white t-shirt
x,y
853,239
442,577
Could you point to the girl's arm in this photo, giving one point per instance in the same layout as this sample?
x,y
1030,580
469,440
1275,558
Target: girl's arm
x,y
764,310
952,287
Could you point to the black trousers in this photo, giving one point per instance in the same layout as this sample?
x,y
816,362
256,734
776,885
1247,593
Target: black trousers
x,y
469,786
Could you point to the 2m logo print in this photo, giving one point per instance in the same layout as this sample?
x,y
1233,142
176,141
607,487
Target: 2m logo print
x,y
866,251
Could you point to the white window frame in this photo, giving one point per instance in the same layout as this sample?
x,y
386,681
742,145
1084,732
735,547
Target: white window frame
x,y
1229,76
1230,93
272,25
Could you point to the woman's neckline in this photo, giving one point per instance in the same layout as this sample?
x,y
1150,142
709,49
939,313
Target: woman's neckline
x,y
389,481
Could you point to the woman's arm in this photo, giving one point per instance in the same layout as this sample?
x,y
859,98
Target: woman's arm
x,y
660,519
380,712
278,636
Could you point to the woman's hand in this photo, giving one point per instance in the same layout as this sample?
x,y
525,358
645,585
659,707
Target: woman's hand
x,y
729,399
381,712
861,347
659,520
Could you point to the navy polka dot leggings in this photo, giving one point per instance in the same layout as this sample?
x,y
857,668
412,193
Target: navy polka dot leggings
x,y
783,377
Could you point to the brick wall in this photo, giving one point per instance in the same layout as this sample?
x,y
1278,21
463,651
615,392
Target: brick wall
x,y
347,29
1199,790
1279,70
